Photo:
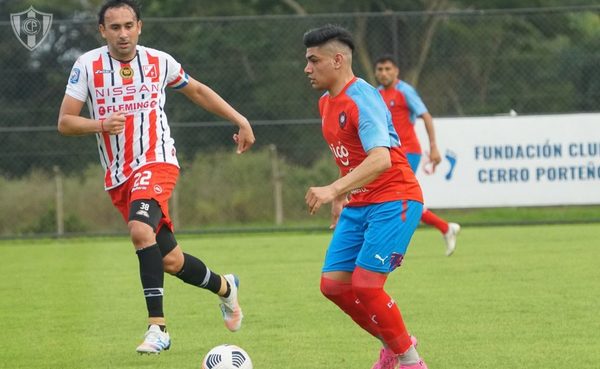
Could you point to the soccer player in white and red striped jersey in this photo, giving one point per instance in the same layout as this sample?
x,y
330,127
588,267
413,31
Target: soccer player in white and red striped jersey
x,y
124,86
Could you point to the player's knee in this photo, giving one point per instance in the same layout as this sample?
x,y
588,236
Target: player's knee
x,y
142,234
366,294
329,287
332,288
366,284
173,262
144,217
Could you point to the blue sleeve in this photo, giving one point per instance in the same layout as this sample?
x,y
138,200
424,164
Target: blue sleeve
x,y
373,118
413,100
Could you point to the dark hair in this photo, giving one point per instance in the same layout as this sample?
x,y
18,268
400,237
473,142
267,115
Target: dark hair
x,y
386,58
329,32
117,4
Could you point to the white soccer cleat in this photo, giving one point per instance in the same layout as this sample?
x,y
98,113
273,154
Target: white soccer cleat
x,y
155,341
232,312
450,238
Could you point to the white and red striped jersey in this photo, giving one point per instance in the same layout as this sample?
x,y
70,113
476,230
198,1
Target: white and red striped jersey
x,y
137,88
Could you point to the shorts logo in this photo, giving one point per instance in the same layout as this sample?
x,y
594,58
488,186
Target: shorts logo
x,y
380,258
392,103
395,260
342,120
143,213
75,73
158,189
126,72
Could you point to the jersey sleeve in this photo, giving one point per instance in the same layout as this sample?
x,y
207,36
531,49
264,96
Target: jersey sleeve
x,y
176,77
413,100
77,84
372,120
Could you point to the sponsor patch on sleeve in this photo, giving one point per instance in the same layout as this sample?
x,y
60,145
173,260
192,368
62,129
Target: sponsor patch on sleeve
x,y
74,78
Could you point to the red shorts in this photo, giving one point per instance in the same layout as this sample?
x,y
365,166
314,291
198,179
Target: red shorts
x,y
153,181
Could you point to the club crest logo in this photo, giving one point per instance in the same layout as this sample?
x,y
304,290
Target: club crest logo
x,y
395,260
342,119
31,27
150,71
126,72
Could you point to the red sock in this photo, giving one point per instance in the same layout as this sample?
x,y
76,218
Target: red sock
x,y
342,295
428,217
368,287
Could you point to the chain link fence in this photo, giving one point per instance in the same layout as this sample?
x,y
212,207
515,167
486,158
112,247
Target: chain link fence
x,y
463,63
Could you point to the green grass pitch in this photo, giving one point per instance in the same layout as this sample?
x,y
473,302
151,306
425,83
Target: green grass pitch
x,y
511,297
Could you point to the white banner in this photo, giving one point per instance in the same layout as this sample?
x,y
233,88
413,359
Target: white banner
x,y
513,161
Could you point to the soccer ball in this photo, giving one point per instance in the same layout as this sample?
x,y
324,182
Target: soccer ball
x,y
227,357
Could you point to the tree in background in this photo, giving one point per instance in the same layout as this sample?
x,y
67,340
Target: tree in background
x,y
468,63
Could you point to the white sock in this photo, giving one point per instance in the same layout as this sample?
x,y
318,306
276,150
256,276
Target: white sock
x,y
410,357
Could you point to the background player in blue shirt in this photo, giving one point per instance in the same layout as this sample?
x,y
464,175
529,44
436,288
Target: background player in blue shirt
x,y
406,105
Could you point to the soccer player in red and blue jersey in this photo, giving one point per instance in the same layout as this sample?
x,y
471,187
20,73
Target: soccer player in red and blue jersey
x,y
406,105
376,201
124,85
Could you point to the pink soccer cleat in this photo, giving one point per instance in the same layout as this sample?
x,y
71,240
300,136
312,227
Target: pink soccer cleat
x,y
420,365
388,359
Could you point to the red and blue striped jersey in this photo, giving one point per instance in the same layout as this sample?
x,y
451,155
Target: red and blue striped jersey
x,y
356,121
406,105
